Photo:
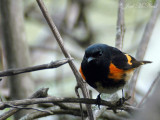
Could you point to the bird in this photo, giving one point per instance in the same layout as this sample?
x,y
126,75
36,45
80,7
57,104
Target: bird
x,y
107,69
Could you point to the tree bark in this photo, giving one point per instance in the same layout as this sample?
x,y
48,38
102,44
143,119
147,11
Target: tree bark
x,y
15,48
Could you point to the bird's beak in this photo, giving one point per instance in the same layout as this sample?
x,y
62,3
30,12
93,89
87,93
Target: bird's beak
x,y
90,59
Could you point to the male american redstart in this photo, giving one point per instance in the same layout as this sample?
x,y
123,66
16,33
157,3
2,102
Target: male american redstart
x,y
107,69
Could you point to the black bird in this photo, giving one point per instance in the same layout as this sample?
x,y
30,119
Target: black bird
x,y
107,69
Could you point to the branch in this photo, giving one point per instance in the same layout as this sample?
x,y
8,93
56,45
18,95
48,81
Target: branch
x,y
73,111
66,54
112,105
120,26
143,46
119,40
111,116
54,64
68,106
150,89
55,111
60,108
151,107
38,94
28,108
98,113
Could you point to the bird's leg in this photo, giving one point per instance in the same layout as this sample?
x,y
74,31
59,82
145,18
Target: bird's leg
x,y
121,100
123,97
98,100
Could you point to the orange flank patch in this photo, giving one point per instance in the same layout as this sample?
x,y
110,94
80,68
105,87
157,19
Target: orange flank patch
x,y
80,70
115,73
129,59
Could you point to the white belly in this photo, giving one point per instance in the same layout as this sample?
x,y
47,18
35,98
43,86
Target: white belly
x,y
110,90
107,90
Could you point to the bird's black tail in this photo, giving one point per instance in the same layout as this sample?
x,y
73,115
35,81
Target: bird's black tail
x,y
145,62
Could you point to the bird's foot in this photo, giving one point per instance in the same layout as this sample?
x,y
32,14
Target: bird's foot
x,y
122,100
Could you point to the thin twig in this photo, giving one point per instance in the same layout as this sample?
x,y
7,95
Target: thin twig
x,y
120,25
52,64
55,111
76,112
69,106
66,54
38,94
81,108
98,113
149,91
112,105
119,39
112,116
143,46
26,108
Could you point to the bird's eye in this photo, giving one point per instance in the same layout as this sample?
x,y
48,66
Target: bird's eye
x,y
98,54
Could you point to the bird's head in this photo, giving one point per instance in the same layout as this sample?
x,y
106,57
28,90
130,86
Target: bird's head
x,y
96,54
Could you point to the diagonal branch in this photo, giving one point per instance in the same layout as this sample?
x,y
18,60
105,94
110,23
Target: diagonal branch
x,y
54,64
150,89
120,25
143,45
66,54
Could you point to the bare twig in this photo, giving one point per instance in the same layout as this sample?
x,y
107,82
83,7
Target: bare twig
x,y
34,68
55,111
77,93
66,54
38,94
98,113
143,45
67,106
20,107
42,92
112,105
109,115
120,26
150,109
119,39
150,89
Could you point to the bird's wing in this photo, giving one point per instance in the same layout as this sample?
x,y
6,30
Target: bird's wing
x,y
124,61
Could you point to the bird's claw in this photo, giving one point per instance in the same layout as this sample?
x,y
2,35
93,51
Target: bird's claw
x,y
122,100
98,99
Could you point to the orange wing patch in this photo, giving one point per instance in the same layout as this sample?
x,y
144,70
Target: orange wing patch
x,y
80,70
115,73
129,59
